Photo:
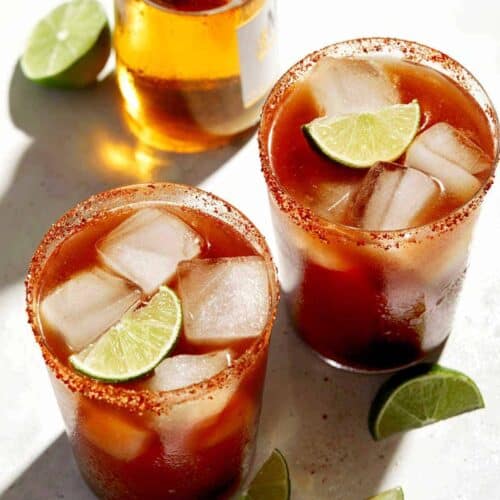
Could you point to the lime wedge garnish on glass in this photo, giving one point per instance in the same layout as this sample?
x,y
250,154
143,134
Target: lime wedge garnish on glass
x,y
361,140
136,344
421,396
272,482
68,47
394,494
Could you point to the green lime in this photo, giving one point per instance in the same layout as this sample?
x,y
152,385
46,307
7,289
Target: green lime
x,y
394,494
421,396
272,482
69,46
361,140
136,344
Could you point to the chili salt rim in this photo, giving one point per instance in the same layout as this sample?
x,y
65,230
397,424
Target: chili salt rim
x,y
361,47
72,221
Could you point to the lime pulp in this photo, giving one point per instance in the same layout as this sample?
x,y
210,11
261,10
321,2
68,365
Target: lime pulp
x,y
136,344
69,46
394,494
360,140
272,481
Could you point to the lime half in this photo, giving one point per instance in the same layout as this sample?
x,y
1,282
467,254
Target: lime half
x,y
136,344
68,47
394,494
272,482
361,140
421,396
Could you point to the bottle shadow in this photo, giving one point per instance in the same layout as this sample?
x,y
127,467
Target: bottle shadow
x,y
318,417
80,146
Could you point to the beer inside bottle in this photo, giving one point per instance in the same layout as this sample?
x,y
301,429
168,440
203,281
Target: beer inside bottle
x,y
194,74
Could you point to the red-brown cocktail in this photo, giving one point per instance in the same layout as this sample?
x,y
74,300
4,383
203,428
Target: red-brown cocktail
x,y
187,428
373,259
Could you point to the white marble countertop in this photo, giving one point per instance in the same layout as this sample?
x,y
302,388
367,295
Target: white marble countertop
x,y
55,151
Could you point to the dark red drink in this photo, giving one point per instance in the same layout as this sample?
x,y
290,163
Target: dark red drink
x,y
367,297
153,437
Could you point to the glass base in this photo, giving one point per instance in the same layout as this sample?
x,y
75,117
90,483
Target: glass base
x,y
428,356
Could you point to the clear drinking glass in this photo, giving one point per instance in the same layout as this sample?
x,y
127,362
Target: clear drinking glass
x,y
371,300
138,444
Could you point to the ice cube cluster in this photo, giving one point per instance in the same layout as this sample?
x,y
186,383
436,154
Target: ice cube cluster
x,y
390,197
223,300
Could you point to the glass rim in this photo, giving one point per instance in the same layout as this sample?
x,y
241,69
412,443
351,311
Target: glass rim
x,y
145,400
231,5
408,50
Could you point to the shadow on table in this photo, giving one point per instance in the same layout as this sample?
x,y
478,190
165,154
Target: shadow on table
x,y
317,416
80,146
53,475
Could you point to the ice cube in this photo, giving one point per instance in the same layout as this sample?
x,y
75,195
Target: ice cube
x,y
393,197
448,155
147,247
86,305
178,424
343,86
112,432
331,200
183,370
450,144
223,299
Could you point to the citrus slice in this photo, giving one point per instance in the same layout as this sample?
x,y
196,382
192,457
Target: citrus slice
x,y
69,46
394,494
272,482
136,344
421,396
361,140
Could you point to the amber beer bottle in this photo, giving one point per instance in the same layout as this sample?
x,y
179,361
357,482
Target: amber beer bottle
x,y
194,73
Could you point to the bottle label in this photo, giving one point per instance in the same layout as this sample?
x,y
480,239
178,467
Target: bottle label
x,y
257,47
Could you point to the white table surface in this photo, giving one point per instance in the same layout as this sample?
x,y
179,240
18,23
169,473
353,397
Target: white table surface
x,y
59,147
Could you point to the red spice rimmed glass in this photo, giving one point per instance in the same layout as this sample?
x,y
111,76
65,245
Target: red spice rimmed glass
x,y
324,293
169,465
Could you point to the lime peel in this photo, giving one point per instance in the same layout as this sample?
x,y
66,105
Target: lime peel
x,y
360,140
136,344
421,396
394,494
272,481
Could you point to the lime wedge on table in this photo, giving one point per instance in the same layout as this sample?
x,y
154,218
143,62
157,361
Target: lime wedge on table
x,y
272,482
394,494
136,344
68,47
360,140
421,396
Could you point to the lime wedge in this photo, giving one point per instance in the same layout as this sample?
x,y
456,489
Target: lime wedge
x,y
421,396
394,494
272,482
136,344
68,47
361,140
